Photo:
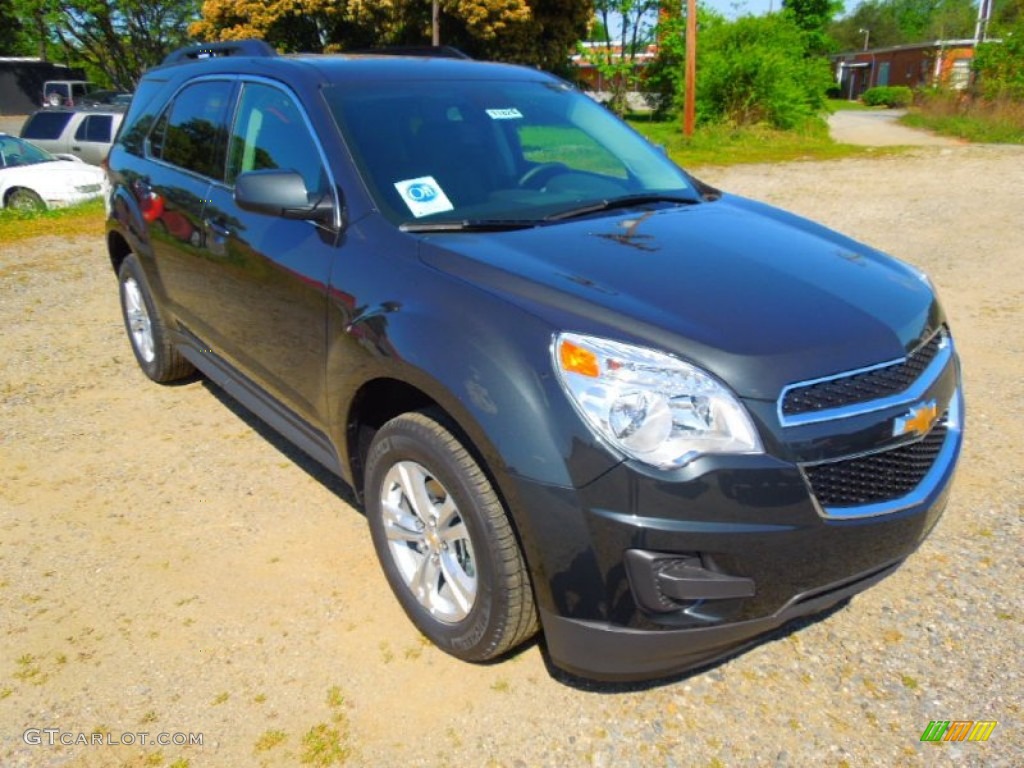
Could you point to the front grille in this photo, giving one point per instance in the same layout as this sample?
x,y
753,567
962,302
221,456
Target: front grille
x,y
880,477
862,387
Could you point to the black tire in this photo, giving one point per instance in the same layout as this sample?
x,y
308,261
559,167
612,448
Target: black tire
x,y
146,328
22,199
501,614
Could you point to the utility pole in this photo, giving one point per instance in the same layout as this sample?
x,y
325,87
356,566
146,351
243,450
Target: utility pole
x,y
690,95
435,31
867,36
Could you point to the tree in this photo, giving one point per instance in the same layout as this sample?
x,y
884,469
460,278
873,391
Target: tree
x,y
114,39
896,22
538,32
813,18
616,60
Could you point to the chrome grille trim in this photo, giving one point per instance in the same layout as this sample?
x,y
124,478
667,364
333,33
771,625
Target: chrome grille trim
x,y
913,393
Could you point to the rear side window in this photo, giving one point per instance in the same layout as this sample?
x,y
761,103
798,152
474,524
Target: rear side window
x,y
45,125
192,133
95,128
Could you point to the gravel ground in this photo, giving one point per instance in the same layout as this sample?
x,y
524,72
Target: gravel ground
x,y
167,566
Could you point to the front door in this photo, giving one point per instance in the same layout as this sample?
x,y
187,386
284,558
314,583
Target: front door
x,y
273,272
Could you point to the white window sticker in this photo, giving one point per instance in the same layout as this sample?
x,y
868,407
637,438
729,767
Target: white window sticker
x,y
505,114
424,196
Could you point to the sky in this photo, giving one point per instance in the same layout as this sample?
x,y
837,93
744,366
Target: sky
x,y
734,8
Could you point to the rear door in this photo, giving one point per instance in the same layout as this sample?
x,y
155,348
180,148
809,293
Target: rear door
x,y
187,145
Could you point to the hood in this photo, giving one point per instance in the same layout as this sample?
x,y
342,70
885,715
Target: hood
x,y
57,171
760,297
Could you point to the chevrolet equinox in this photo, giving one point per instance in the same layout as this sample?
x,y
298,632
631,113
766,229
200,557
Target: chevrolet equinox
x,y
574,388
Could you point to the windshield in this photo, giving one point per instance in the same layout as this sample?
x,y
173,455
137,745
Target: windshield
x,y
495,151
15,152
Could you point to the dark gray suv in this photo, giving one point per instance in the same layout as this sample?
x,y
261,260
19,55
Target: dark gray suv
x,y
572,386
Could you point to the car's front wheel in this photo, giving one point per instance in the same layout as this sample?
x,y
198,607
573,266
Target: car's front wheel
x,y
444,540
147,332
21,199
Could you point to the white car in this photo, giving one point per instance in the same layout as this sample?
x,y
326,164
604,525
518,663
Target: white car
x,y
32,178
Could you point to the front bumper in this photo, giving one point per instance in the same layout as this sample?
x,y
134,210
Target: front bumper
x,y
640,574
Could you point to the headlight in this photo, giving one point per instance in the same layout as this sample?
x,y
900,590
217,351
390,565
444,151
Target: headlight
x,y
653,407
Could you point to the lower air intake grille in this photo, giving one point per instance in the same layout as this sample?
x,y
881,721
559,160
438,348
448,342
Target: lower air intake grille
x,y
879,477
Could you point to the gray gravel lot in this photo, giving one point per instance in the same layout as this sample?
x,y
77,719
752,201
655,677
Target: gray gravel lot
x,y
166,567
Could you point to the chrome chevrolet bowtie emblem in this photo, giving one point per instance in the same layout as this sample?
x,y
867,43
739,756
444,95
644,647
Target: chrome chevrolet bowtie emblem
x,y
919,421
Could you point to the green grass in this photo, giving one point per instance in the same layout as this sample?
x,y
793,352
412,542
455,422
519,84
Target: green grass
x,y
845,105
969,127
85,219
998,121
726,145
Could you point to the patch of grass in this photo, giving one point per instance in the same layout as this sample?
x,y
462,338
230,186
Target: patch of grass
x,y
86,219
335,698
323,745
29,670
386,654
270,739
845,105
908,682
181,762
220,698
728,145
951,114
501,685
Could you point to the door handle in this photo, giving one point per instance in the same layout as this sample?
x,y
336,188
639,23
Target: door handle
x,y
217,235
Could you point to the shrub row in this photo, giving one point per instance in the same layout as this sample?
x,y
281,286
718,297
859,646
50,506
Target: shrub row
x,y
888,96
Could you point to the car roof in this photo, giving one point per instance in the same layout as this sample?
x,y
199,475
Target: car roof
x,y
327,68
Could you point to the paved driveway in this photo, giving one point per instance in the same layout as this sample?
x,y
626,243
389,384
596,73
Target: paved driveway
x,y
878,128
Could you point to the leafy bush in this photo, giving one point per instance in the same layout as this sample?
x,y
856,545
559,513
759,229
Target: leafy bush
x,y
756,70
1000,65
888,96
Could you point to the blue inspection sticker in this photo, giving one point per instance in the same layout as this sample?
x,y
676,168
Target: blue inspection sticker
x,y
423,196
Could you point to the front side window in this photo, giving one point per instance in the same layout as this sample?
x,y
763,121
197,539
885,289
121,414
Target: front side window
x,y
95,128
191,133
519,150
269,132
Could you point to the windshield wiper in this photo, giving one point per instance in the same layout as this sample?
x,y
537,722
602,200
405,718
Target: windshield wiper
x,y
469,225
626,201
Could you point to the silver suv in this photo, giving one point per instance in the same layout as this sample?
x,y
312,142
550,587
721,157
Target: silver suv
x,y
65,93
84,133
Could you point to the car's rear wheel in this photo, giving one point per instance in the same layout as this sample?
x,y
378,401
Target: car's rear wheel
x,y
444,540
147,331
21,199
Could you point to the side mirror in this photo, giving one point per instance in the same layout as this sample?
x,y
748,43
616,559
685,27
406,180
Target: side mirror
x,y
282,193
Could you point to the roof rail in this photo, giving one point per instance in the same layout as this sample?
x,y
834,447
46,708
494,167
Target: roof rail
x,y
217,50
428,51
